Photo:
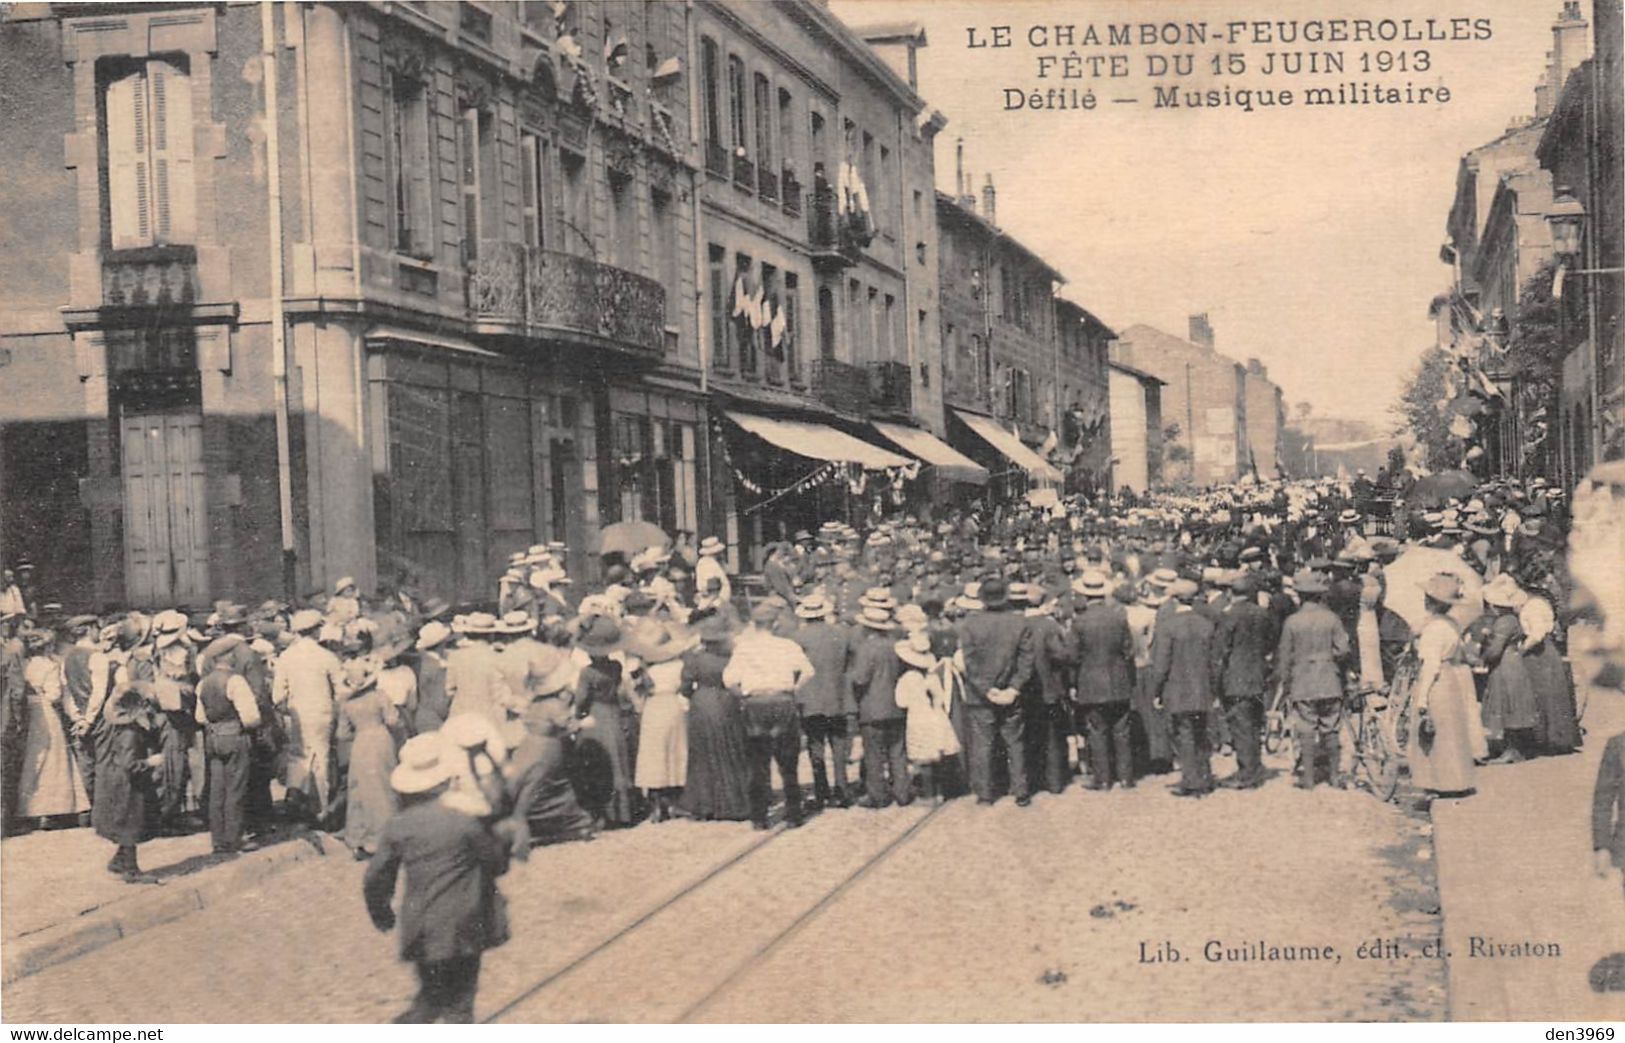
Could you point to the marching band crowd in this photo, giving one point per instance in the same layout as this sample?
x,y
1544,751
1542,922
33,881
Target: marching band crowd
x,y
989,653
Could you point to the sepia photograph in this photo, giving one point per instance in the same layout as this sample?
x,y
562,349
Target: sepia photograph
x,y
804,512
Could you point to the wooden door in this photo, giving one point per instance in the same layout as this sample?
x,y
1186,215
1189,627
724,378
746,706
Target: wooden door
x,y
166,521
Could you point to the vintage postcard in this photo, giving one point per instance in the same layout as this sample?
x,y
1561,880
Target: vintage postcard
x,y
809,511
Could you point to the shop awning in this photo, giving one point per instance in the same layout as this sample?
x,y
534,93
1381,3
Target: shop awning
x,y
947,461
1009,446
816,441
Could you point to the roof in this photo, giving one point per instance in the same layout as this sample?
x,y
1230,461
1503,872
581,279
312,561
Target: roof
x,y
1131,371
994,231
898,30
1570,104
1087,317
858,51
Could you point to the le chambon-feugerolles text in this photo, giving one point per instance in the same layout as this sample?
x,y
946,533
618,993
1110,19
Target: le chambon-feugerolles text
x,y
1245,65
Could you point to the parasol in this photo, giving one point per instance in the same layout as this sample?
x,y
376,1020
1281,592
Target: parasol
x,y
629,537
1409,574
1435,489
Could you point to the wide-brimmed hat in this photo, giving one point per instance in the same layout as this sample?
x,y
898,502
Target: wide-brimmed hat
x,y
1308,581
551,672
304,621
1183,590
1484,525
813,606
342,582
1502,591
878,597
432,635
425,762
1349,516
478,623
1092,584
601,636
995,592
516,622
876,619
169,621
831,531
711,546
1163,577
915,650
912,617
1445,587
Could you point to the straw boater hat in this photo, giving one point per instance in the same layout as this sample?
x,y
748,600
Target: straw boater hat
x,y
304,621
1349,517
711,546
433,634
342,583
876,619
1184,590
971,599
1503,592
479,623
813,606
1445,587
915,650
912,617
1092,584
831,531
1308,581
516,622
425,762
878,597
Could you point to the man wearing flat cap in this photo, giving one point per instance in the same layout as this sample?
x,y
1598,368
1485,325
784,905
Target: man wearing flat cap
x,y
1314,646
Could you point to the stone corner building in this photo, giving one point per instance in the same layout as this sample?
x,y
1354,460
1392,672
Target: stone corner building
x,y
416,294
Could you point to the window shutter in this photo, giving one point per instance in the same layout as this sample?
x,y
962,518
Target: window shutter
x,y
127,162
173,190
419,168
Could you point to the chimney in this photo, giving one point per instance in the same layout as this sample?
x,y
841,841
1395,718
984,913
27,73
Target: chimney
x,y
959,170
1201,331
988,210
1571,45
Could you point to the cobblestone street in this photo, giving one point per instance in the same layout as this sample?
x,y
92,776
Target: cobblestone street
x,y
967,913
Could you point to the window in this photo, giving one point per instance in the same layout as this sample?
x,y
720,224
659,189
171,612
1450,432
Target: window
x,y
476,157
893,333
711,101
792,326
623,223
919,340
764,123
721,305
883,194
406,142
871,324
577,233
787,129
815,125
826,323
533,177
150,195
744,336
666,261
474,22
736,101
854,319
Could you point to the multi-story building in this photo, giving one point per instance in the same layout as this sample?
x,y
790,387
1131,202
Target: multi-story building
x,y
1082,390
1136,428
999,347
387,290
818,257
1581,147
1205,395
1266,419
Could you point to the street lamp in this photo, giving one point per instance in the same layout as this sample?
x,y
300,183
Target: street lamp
x,y
1567,220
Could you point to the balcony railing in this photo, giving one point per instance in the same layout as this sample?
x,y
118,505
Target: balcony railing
x,y
832,242
744,172
767,185
154,276
544,293
716,158
891,388
792,194
840,385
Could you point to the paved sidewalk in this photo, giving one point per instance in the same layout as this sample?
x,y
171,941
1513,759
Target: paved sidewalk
x,y
1515,870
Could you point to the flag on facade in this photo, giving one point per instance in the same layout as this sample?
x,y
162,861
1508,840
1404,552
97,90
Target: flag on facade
x,y
1048,445
741,298
666,72
616,50
777,328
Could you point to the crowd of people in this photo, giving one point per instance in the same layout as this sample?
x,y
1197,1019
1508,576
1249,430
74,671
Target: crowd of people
x,y
981,654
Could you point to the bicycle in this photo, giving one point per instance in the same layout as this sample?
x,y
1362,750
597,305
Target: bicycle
x,y
1368,729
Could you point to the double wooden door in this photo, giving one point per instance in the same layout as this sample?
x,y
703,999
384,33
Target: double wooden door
x,y
166,519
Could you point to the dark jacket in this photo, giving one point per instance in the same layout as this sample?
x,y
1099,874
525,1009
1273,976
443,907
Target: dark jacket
x,y
1314,645
1051,651
829,649
1242,643
874,671
451,907
1608,802
1182,673
998,650
1103,653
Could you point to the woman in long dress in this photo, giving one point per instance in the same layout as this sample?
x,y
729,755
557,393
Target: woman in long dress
x,y
1443,708
1511,709
375,718
50,784
601,768
662,764
1550,676
718,784
925,692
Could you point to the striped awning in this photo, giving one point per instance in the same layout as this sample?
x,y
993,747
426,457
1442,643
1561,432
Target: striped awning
x,y
1009,446
947,461
817,441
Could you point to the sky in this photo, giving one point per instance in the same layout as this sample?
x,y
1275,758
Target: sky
x,y
1310,236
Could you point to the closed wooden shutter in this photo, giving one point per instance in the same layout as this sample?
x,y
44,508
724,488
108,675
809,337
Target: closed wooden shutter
x,y
172,183
128,182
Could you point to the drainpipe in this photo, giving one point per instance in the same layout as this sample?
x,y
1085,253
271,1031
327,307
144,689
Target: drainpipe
x,y
279,339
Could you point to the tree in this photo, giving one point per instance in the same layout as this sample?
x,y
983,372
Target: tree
x,y
1419,412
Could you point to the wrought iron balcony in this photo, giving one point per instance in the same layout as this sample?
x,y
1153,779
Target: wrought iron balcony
x,y
891,388
840,385
716,158
833,246
792,194
553,295
153,276
744,172
767,185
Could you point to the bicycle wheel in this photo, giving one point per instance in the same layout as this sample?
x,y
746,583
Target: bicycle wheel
x,y
1378,760
1274,733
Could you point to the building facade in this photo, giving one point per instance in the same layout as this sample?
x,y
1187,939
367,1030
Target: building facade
x,y
411,294
1266,421
1205,395
1083,396
1136,429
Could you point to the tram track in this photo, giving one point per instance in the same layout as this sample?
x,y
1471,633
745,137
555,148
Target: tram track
x,y
651,929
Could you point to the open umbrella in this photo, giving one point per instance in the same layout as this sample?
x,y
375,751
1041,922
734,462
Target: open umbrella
x,y
1435,489
1409,574
629,537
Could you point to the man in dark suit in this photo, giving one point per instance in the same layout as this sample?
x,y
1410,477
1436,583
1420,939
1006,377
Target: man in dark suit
x,y
1045,692
829,712
1242,644
1182,679
451,912
1608,808
1103,654
999,657
1314,646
